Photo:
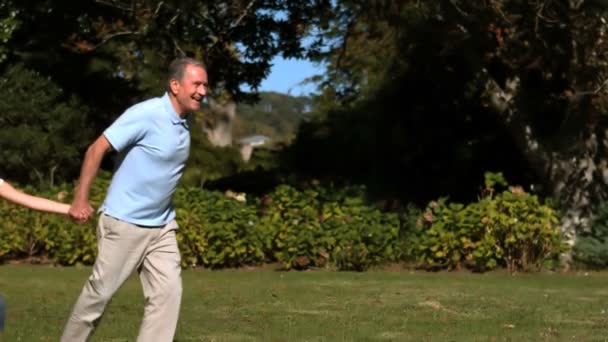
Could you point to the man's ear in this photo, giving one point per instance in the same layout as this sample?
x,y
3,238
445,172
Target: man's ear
x,y
174,86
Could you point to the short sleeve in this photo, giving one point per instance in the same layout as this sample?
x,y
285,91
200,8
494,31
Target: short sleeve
x,y
127,130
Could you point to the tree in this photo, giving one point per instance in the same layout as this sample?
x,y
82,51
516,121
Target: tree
x,y
468,75
8,24
543,70
108,55
37,140
134,40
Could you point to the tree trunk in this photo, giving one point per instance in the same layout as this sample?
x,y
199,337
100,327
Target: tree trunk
x,y
576,176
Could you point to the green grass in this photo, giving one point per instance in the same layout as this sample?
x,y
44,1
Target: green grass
x,y
327,306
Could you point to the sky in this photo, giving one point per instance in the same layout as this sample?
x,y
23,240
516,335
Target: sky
x,y
286,75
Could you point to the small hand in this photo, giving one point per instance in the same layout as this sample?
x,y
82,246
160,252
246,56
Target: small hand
x,y
80,211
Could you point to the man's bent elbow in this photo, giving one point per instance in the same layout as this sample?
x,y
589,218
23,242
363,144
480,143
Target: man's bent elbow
x,y
98,148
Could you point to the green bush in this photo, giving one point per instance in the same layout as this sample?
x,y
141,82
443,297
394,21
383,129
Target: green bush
x,y
362,236
217,231
325,226
591,248
511,229
409,228
292,217
317,227
31,235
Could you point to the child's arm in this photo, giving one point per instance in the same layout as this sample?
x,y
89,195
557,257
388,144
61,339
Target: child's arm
x,y
33,202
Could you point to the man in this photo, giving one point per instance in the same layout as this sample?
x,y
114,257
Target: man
x,y
136,230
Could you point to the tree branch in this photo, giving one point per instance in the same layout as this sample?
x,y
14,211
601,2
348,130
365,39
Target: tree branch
x,y
84,46
114,35
347,34
182,53
115,5
158,6
240,18
174,18
233,24
504,101
463,13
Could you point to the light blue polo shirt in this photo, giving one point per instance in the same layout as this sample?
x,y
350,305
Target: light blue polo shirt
x,y
153,144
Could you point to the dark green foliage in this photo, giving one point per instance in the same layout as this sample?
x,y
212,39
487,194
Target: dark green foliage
x,y
407,122
39,142
591,248
421,97
129,44
98,58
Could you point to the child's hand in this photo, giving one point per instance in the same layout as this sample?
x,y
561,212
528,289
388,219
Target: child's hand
x,y
80,211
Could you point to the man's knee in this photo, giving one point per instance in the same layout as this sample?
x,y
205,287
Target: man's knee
x,y
99,292
168,292
173,288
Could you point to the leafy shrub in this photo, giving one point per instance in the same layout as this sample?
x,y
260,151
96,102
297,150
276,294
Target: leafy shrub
x,y
217,231
27,234
511,229
591,248
300,229
362,236
293,218
322,226
409,223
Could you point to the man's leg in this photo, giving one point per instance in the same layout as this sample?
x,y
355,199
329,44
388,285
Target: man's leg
x,y
160,275
121,248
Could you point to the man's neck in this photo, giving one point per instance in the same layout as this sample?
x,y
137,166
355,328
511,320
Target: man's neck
x,y
176,106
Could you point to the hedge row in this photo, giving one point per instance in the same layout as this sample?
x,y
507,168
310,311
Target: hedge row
x,y
318,227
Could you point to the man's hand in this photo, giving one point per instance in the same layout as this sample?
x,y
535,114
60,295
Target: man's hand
x,y
80,211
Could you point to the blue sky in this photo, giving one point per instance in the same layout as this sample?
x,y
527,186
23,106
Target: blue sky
x,y
287,74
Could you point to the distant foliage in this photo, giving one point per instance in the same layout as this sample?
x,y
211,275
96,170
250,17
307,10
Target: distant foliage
x,y
277,116
208,162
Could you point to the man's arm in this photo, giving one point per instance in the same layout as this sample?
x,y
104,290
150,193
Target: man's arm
x,y
81,209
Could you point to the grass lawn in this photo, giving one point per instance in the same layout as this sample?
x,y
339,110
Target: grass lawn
x,y
264,305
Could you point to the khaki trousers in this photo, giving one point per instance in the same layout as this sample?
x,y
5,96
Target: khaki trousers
x,y
122,249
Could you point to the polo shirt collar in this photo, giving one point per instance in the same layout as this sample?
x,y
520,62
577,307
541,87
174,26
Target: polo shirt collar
x,y
175,118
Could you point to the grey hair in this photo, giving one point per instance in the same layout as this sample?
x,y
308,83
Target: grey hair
x,y
178,66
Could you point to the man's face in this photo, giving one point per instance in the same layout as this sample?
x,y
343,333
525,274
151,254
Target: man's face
x,y
191,90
